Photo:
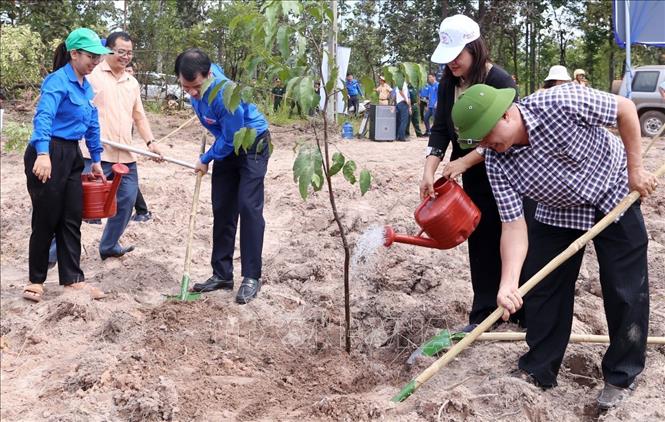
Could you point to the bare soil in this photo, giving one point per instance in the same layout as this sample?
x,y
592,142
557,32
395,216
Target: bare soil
x,y
135,357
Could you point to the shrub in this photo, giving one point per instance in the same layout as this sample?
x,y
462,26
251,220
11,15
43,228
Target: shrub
x,y
16,136
20,56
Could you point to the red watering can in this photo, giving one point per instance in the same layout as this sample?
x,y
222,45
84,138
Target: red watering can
x,y
448,219
99,194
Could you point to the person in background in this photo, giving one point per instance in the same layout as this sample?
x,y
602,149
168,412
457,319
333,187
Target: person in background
x,y
403,103
415,121
142,213
661,89
557,75
384,91
422,96
432,95
579,77
354,91
118,97
237,179
553,147
53,164
464,51
277,94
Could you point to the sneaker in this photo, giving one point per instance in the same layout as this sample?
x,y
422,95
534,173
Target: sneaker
x,y
51,264
142,218
612,395
93,221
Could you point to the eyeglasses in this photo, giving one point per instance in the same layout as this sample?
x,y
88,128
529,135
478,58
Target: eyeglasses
x,y
96,58
124,53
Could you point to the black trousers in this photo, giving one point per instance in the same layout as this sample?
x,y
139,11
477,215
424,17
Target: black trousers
x,y
140,206
353,102
622,256
237,191
484,246
57,207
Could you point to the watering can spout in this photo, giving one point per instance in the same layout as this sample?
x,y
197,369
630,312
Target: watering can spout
x,y
119,170
391,237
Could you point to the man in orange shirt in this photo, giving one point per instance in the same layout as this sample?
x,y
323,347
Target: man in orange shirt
x,y
118,99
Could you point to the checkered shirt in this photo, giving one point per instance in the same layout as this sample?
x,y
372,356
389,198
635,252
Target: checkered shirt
x,y
572,165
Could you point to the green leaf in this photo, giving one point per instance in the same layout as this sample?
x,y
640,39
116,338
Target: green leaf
x,y
412,74
365,181
307,164
291,6
338,162
301,43
328,12
231,96
306,93
292,87
423,75
247,94
283,41
215,90
348,171
251,63
238,139
271,14
242,20
332,80
250,137
368,86
314,9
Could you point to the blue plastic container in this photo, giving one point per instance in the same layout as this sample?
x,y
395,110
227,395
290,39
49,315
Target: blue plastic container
x,y
347,130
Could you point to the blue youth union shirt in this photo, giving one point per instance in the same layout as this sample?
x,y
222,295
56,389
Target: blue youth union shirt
x,y
66,111
353,88
424,92
223,124
433,92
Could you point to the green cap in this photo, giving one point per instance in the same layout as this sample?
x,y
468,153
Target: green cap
x,y
477,111
87,40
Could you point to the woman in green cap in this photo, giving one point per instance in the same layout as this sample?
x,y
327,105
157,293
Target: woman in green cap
x,y
53,162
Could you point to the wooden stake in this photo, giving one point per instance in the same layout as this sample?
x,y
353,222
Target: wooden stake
x,y
523,290
574,338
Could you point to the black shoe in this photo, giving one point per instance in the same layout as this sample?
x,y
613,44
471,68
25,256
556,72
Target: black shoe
x,y
93,221
248,290
212,284
116,254
529,378
142,218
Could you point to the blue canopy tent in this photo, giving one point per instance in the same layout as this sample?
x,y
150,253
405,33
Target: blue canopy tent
x,y
638,22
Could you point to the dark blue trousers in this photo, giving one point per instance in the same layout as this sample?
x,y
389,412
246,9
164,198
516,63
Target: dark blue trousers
x,y
237,191
402,120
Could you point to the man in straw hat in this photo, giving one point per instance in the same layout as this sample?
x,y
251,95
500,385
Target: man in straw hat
x,y
553,147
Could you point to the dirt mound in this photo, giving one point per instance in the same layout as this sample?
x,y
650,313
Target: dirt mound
x,y
135,357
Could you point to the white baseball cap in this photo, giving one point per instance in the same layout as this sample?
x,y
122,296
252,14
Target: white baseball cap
x,y
454,33
558,73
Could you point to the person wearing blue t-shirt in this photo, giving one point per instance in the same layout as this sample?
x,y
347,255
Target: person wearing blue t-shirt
x,y
53,163
353,89
237,179
432,93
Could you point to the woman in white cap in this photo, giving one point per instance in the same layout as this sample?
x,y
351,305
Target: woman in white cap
x,y
466,56
579,76
558,75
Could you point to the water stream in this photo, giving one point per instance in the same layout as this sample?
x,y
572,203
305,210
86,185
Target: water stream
x,y
366,254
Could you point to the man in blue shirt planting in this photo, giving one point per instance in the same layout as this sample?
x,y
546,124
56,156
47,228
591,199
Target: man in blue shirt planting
x,y
237,179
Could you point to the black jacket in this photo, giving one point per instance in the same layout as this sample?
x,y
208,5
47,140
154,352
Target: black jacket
x,y
443,130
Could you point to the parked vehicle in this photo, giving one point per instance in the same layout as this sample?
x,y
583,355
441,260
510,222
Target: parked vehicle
x,y
160,86
650,104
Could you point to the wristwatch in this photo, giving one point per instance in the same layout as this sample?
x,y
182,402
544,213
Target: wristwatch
x,y
149,143
481,150
437,152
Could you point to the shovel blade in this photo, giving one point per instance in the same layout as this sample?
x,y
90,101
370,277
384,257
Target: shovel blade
x,y
185,295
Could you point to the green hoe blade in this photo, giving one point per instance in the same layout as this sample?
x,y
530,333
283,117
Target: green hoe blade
x,y
185,295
